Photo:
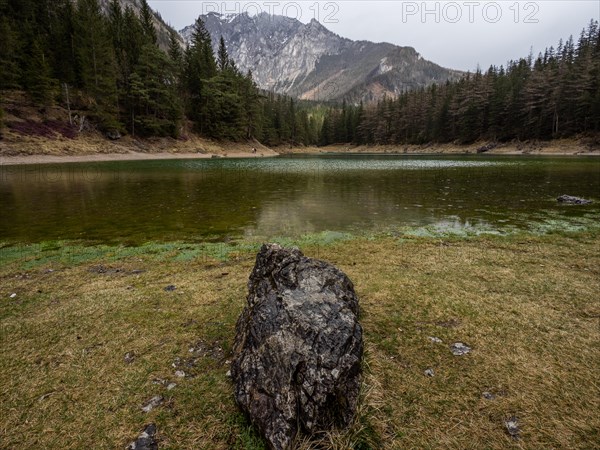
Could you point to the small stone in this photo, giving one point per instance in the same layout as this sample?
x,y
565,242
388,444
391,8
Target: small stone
x,y
13,295
129,357
171,386
460,349
435,340
45,396
429,372
180,374
170,288
228,374
512,427
488,396
146,440
153,403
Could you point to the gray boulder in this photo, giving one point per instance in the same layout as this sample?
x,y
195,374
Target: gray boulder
x,y
113,135
570,200
298,347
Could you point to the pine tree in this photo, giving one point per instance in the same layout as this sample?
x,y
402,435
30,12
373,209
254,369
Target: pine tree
x,y
117,31
200,67
39,82
250,100
147,19
10,50
154,104
222,56
61,43
96,60
133,40
175,50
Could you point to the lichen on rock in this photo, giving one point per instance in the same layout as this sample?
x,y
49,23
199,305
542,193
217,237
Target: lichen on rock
x,y
298,347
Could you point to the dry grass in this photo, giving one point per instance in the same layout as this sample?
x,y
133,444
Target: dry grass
x,y
528,307
573,146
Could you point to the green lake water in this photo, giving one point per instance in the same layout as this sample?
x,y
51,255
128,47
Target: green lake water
x,y
224,199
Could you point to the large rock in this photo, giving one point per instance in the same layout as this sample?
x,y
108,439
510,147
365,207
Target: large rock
x,y
113,135
298,348
570,200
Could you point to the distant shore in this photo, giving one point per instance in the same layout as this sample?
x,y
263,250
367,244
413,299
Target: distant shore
x,y
561,147
96,149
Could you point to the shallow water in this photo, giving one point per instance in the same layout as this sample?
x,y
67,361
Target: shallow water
x,y
199,200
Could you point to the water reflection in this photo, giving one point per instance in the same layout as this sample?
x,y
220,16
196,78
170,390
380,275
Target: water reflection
x,y
133,202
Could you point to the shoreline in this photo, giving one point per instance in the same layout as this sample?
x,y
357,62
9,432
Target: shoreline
x,y
559,147
96,150
116,157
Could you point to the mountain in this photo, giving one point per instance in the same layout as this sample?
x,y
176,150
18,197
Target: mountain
x,y
310,62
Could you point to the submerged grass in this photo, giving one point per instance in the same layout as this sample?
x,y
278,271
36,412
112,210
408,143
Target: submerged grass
x,y
526,304
30,256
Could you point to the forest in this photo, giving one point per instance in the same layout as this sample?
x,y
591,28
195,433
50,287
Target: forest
x,y
556,95
109,65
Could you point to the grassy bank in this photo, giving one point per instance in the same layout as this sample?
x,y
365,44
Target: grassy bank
x,y
30,135
526,305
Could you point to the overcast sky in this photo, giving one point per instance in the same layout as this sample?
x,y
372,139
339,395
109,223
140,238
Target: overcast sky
x,y
454,34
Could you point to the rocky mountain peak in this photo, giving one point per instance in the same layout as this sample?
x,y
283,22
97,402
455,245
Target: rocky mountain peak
x,y
309,61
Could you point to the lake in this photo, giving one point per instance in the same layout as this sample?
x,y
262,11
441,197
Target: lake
x,y
223,199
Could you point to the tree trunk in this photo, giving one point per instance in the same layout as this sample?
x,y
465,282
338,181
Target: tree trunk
x,y
68,104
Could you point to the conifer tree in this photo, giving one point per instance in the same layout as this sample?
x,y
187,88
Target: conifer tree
x,y
38,80
10,70
175,50
222,56
155,108
133,39
250,100
147,19
61,43
200,67
96,60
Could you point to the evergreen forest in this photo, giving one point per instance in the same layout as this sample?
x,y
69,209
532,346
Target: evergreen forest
x,y
109,62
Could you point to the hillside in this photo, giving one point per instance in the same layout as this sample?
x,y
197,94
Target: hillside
x,y
163,30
